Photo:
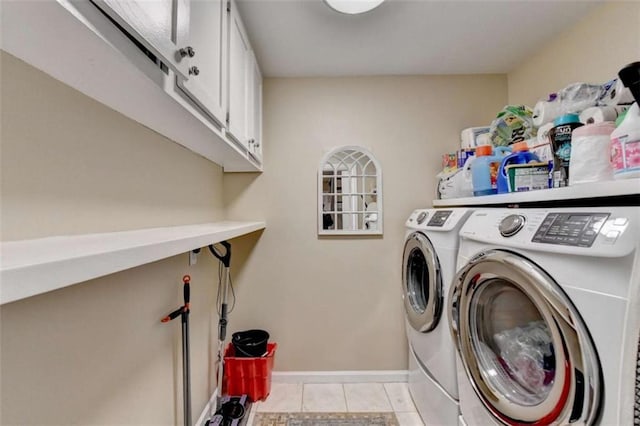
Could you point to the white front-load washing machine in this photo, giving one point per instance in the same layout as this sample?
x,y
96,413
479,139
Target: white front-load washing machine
x,y
539,312
428,265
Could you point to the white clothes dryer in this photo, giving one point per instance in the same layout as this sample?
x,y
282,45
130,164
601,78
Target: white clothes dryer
x,y
539,312
428,265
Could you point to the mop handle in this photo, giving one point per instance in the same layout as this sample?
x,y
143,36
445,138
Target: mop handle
x,y
182,309
186,292
173,315
224,258
186,358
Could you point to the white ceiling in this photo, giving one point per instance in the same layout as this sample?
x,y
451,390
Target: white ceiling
x,y
296,38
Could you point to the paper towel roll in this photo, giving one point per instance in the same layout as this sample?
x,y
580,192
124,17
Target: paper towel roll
x,y
602,114
543,133
545,112
614,93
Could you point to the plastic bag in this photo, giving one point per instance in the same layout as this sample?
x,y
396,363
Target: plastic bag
x,y
577,97
456,184
512,124
528,353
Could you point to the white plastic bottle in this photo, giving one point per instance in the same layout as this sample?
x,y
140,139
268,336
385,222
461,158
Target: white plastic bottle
x,y
625,146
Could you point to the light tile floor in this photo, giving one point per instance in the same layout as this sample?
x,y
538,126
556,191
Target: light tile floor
x,y
339,397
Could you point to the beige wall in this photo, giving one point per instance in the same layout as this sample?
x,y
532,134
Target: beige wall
x,y
96,353
592,51
334,303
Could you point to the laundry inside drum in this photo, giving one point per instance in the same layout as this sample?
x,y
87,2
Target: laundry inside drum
x,y
512,343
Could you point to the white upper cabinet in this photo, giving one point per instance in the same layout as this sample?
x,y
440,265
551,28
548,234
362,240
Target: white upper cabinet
x,y
254,108
206,86
183,68
239,50
160,25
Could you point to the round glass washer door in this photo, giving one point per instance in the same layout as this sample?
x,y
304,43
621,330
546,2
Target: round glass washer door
x,y
525,349
421,283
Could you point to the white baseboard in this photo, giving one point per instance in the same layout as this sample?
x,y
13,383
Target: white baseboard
x,y
364,376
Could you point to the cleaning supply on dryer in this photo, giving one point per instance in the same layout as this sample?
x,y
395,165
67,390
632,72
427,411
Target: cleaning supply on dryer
x,y
545,111
530,176
560,136
513,124
463,155
590,148
577,97
456,184
520,155
484,139
543,133
602,113
449,162
620,118
484,169
614,93
625,146
469,137
630,78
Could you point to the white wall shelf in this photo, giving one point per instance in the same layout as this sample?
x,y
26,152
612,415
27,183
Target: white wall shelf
x,y
31,267
613,188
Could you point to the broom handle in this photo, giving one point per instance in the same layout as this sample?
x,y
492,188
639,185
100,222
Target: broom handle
x,y
222,332
186,364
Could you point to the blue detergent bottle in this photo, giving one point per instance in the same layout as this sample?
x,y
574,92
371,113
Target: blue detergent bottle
x,y
484,169
520,155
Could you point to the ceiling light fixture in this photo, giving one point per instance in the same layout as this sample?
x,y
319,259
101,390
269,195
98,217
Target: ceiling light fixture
x,y
353,7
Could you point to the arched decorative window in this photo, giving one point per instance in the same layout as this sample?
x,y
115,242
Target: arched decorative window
x,y
349,193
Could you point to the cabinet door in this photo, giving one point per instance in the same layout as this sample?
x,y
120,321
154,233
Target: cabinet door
x,y
207,37
159,25
238,57
254,108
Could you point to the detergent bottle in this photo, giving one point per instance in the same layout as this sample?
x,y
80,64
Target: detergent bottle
x,y
484,168
560,136
625,146
520,155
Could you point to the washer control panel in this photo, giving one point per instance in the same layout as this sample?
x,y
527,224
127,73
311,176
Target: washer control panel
x,y
573,229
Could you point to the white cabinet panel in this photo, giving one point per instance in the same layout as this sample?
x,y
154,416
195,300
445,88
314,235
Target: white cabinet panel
x,y
254,108
160,25
239,49
208,38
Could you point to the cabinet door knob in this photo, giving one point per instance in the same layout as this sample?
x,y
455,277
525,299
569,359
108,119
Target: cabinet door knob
x,y
187,51
194,70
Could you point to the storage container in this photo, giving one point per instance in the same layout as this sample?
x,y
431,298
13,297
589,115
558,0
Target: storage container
x,y
529,177
250,376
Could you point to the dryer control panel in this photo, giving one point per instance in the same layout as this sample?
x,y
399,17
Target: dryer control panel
x,y
573,229
439,218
